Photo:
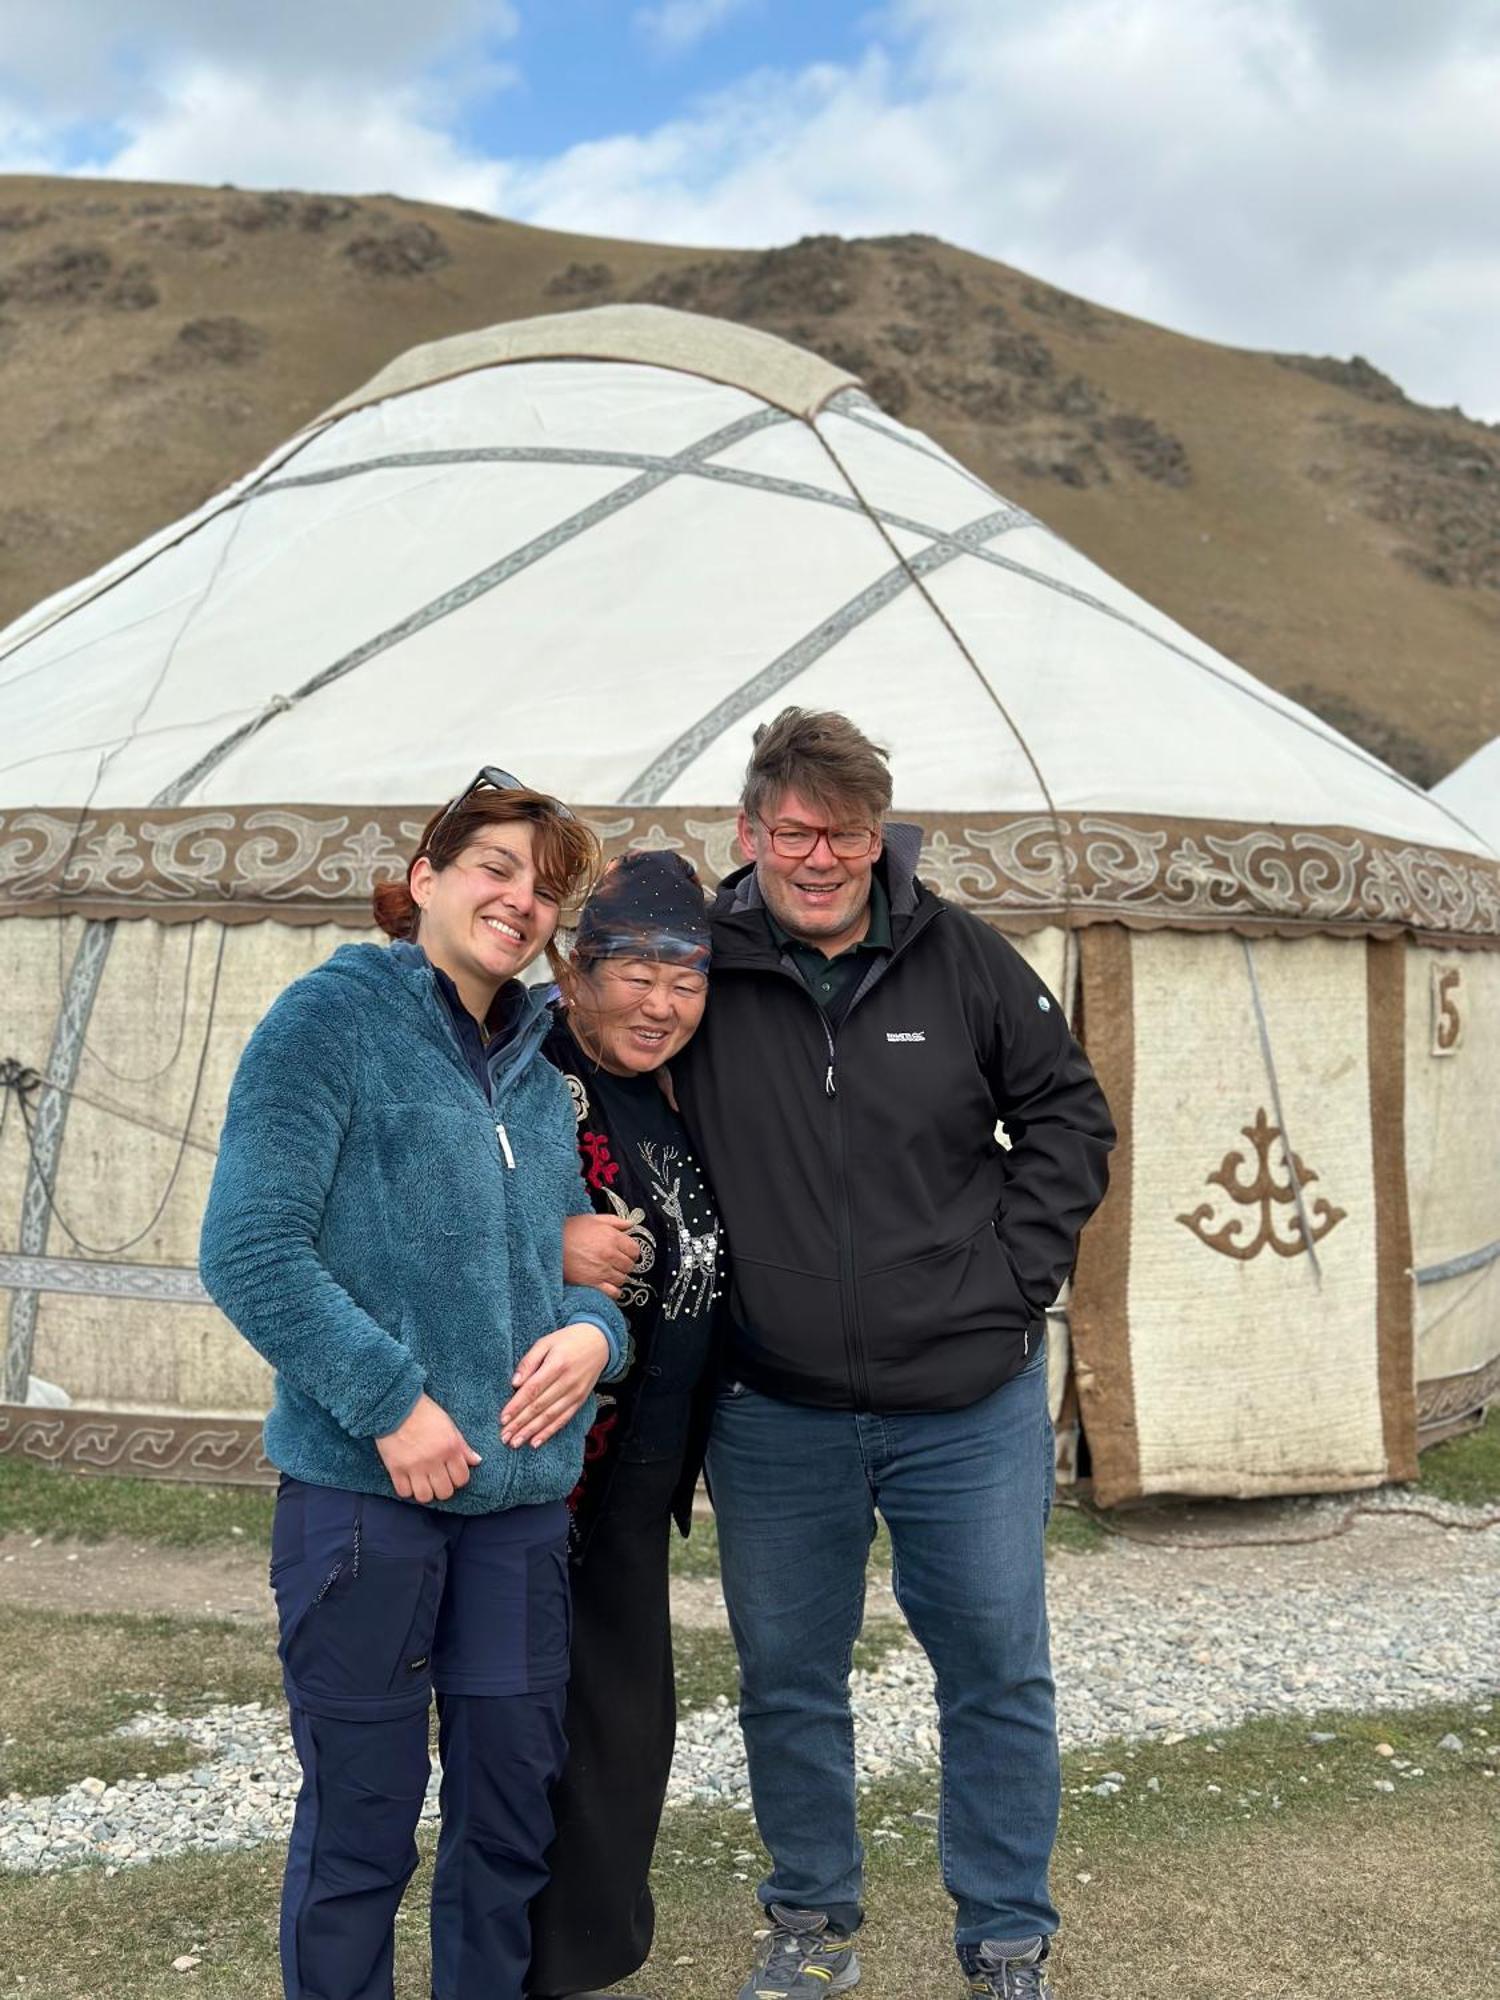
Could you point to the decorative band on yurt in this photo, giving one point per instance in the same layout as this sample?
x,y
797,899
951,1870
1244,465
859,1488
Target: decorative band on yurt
x,y
318,864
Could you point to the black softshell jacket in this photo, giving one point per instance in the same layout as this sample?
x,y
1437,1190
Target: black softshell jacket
x,y
887,1252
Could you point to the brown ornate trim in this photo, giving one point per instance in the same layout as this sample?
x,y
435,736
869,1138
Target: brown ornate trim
x,y
182,1444
1099,1307
1395,1288
318,864
1449,1398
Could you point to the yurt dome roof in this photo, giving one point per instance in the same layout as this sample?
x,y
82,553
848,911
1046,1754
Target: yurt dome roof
x,y
598,548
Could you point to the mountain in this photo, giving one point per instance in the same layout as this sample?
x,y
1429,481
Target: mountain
x,y
1299,512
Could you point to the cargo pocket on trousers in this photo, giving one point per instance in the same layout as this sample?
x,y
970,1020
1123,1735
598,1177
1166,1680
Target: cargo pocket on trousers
x,y
549,1616
363,1645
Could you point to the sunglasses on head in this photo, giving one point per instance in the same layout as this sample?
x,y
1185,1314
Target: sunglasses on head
x,y
491,778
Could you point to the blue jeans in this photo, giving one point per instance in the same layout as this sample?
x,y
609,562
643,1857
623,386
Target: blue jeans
x,y
966,1494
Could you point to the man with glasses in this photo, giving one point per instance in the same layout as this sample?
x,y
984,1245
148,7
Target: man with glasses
x,y
891,1265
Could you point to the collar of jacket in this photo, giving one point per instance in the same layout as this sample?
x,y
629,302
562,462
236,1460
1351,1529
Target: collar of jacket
x,y
508,1053
742,935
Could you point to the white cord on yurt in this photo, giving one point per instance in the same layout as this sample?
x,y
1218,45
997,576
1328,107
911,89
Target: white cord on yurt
x,y
919,584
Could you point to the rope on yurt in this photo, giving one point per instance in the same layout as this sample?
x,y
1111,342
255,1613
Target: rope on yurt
x,y
1263,1026
919,584
108,755
21,1078
154,1075
183,1138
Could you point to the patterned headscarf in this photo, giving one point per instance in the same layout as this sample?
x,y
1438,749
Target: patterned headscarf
x,y
648,903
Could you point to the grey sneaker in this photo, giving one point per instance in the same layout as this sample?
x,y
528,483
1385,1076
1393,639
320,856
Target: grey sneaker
x,y
998,1972
801,1959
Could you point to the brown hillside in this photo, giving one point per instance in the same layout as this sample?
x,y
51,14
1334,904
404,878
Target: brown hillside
x,y
1299,513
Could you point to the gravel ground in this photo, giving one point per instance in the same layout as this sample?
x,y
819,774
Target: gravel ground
x,y
1148,1640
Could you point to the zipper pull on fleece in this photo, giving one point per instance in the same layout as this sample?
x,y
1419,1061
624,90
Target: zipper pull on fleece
x,y
510,1158
828,1082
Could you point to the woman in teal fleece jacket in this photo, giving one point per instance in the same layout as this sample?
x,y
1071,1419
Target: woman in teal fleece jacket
x,y
385,1227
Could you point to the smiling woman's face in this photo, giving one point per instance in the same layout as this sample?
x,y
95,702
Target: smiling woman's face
x,y
485,917
634,1014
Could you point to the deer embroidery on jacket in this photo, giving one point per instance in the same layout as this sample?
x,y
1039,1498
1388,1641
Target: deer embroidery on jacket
x,y
697,1254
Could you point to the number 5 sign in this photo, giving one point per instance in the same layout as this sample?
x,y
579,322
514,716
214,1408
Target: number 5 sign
x,y
1447,1014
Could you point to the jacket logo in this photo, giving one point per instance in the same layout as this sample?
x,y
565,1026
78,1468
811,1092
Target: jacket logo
x,y
906,1035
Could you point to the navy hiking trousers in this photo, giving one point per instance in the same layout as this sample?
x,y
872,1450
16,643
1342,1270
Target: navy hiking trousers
x,y
382,1603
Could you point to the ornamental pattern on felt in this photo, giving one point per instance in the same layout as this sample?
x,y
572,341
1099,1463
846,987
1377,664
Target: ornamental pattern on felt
x,y
1152,868
1265,1190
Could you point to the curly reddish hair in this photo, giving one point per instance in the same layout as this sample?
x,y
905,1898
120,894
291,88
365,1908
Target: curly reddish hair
x,y
566,852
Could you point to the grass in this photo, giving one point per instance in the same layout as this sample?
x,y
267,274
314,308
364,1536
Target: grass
x,y
1268,1889
1070,1528
1466,1469
41,1500
707,1671
69,1680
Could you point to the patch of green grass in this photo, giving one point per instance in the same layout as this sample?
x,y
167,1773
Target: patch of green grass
x,y
70,1680
1070,1528
698,1555
1183,1888
1348,1890
704,1664
1272,1768
1466,1469
1073,1529
706,1668
44,1500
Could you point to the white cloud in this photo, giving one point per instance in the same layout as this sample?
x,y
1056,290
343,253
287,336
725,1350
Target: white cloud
x,y
95,58
1319,175
211,125
675,25
343,95
1226,167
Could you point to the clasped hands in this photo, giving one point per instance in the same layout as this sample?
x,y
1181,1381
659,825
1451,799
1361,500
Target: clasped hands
x,y
428,1457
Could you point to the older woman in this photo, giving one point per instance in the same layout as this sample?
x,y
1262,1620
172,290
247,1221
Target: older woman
x,y
385,1227
633,995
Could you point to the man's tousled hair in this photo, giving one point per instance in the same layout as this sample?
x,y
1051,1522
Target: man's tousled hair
x,y
821,755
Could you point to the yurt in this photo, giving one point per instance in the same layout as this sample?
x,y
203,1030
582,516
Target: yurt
x,y
1472,791
598,549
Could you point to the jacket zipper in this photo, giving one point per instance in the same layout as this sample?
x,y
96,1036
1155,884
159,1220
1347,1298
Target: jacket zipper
x,y
854,1347
338,1569
508,1155
853,1326
854,1332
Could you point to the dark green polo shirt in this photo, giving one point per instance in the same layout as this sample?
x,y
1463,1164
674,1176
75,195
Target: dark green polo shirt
x,y
832,981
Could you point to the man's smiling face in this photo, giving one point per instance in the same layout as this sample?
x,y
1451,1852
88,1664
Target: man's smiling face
x,y
820,898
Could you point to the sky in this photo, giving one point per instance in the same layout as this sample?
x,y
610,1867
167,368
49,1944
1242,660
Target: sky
x,y
1319,176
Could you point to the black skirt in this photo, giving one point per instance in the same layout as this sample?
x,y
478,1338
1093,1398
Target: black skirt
x,y
593,1923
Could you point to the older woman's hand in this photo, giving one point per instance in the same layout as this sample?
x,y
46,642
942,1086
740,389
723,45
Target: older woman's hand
x,y
552,1382
598,1250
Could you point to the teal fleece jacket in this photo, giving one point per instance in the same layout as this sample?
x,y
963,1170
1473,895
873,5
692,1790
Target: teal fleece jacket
x,y
368,1233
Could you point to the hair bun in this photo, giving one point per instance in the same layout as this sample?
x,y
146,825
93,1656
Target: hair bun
x,y
394,908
